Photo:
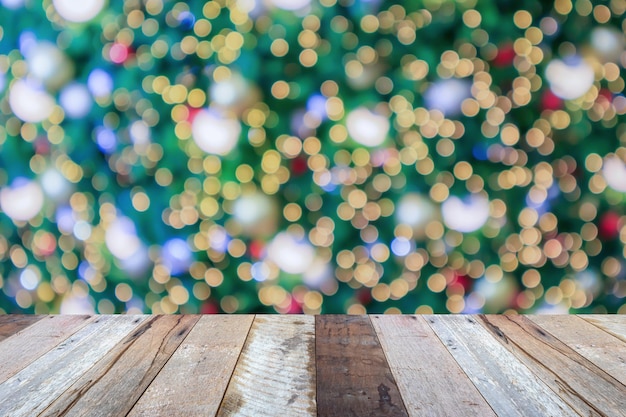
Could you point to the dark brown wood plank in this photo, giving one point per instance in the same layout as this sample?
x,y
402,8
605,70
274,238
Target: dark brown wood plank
x,y
113,385
194,380
13,323
584,386
353,377
31,390
23,348
275,374
430,380
603,349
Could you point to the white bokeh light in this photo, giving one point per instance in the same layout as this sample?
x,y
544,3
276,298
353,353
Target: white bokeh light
x,y
78,11
229,92
121,238
12,4
318,272
214,133
55,185
21,201
176,256
291,254
140,133
29,102
48,64
465,215
29,279
76,101
607,42
569,80
447,95
77,304
415,210
614,173
366,127
100,83
250,209
292,5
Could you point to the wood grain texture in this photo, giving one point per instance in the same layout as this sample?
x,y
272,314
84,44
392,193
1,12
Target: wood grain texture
x,y
21,349
613,324
412,348
353,377
13,323
194,380
32,389
113,385
506,383
584,386
275,374
604,350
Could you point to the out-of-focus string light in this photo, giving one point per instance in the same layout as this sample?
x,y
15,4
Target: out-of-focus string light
x,y
367,128
465,215
30,102
22,200
290,253
215,133
79,12
570,78
614,172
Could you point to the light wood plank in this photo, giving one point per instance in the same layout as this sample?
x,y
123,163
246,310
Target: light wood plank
x,y
29,391
21,349
584,386
604,350
353,377
506,383
417,358
194,380
113,385
275,374
613,324
13,323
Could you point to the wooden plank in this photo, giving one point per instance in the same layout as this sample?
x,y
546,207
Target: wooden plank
x,y
113,385
13,323
412,349
194,380
275,374
21,349
353,377
506,383
613,324
584,386
32,389
604,350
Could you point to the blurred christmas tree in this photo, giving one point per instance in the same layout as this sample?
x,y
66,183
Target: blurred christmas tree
x,y
318,156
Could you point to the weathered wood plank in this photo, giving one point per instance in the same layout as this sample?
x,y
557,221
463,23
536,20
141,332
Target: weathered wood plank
x,y
13,323
194,380
430,380
353,377
584,386
21,349
32,389
113,385
275,374
506,383
613,324
604,350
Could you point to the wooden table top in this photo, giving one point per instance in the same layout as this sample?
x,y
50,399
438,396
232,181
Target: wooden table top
x,y
246,365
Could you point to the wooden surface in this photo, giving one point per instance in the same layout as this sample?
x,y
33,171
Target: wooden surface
x,y
363,366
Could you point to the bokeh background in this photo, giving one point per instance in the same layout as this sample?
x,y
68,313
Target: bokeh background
x,y
317,156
